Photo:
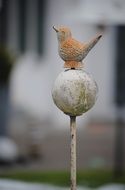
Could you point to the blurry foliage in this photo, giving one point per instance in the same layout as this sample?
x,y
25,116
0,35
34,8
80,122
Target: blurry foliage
x,y
6,64
91,178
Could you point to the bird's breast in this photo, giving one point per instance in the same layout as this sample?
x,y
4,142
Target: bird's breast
x,y
71,50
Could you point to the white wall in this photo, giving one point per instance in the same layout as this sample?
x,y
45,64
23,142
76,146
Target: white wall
x,y
31,82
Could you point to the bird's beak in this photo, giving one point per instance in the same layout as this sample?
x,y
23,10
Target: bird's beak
x,y
99,36
55,29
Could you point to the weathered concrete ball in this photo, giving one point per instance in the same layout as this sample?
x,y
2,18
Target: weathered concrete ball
x,y
74,92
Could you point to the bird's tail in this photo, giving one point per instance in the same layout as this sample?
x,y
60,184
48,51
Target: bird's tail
x,y
91,44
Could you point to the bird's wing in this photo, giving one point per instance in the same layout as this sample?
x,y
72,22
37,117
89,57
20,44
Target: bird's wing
x,y
88,46
71,49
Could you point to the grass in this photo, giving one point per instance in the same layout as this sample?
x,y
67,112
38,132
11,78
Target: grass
x,y
87,178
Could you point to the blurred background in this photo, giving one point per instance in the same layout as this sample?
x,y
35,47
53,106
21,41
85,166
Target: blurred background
x,y
34,134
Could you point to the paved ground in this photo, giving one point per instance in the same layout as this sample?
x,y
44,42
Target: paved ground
x,y
15,185
95,148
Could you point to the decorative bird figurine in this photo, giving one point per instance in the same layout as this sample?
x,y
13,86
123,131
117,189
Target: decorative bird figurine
x,y
71,50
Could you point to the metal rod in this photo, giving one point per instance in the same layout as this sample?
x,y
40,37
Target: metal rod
x,y
73,151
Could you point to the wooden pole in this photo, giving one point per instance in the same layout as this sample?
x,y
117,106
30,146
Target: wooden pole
x,y
73,151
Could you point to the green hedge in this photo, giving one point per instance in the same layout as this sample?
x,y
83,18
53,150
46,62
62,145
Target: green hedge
x,y
88,178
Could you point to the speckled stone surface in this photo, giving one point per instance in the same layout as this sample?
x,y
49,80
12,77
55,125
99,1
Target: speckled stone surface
x,y
74,92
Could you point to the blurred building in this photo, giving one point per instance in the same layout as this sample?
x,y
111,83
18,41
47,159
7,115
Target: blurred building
x,y
26,30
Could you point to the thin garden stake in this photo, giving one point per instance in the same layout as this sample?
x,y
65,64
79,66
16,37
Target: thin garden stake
x,y
73,151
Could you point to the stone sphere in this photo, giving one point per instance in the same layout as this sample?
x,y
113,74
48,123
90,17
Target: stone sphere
x,y
74,92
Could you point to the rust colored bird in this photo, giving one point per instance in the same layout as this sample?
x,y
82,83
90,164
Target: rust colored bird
x,y
71,50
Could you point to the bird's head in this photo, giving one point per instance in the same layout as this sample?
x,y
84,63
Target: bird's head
x,y
63,33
